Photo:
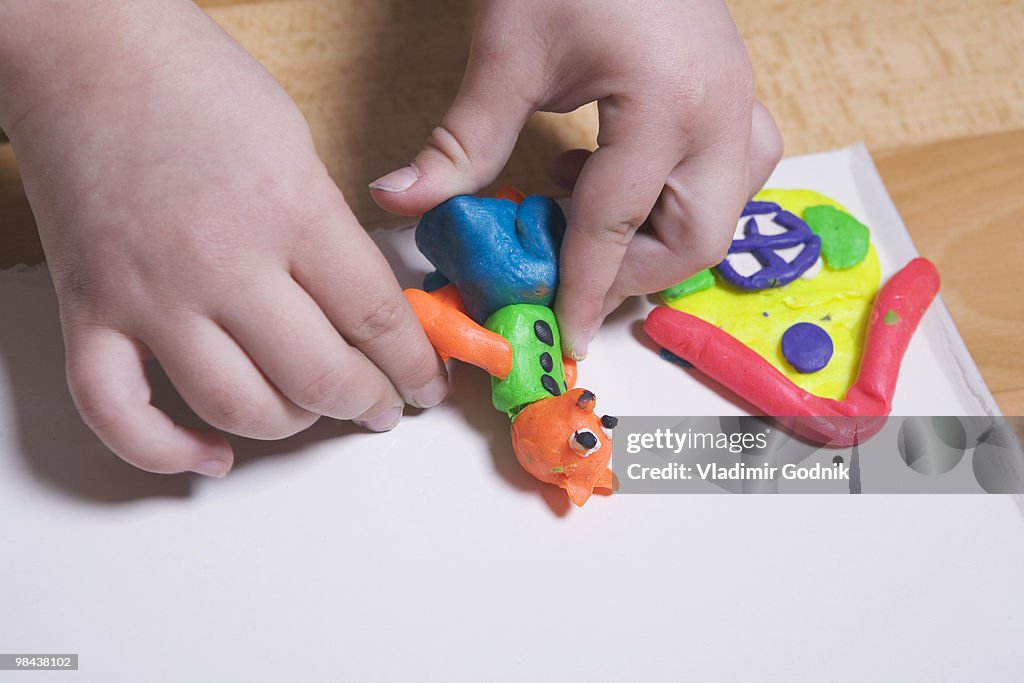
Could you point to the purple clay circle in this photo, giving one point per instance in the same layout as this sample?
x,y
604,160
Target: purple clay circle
x,y
807,347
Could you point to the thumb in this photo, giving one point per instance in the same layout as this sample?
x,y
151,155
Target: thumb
x,y
463,154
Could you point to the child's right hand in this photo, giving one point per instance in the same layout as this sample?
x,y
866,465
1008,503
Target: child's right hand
x,y
682,144
184,213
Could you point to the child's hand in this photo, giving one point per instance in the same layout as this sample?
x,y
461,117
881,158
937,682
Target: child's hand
x,y
185,213
682,144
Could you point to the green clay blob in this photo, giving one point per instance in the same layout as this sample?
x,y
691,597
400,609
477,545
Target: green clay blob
x,y
844,239
532,332
697,283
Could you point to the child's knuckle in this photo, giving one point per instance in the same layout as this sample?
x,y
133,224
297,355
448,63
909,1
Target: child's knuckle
x,y
712,246
324,389
421,367
91,403
620,230
233,411
380,319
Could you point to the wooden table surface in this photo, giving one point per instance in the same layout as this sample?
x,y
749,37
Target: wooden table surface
x,y
935,89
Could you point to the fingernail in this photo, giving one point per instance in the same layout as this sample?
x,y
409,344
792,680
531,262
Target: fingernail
x,y
432,394
579,346
384,422
212,468
397,181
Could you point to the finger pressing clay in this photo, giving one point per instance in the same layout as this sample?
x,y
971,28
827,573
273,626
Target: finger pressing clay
x,y
497,273
495,251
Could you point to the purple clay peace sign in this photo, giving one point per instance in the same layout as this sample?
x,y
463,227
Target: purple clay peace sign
x,y
775,271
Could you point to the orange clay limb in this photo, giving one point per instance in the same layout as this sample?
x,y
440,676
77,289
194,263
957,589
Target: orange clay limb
x,y
570,371
455,335
511,193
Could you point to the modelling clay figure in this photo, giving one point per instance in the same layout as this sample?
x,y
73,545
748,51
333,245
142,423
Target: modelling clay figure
x,y
821,343
895,314
499,258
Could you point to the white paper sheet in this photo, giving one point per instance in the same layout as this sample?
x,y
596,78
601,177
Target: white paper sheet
x,y
426,553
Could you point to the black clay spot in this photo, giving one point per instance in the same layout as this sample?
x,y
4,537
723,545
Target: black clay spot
x,y
546,362
609,422
585,399
543,332
550,385
586,439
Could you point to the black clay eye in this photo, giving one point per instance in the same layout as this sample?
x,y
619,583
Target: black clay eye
x,y
584,442
586,439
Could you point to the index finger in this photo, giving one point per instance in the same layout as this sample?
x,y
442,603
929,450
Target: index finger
x,y
352,282
615,192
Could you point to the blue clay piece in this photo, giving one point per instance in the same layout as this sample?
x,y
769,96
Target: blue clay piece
x,y
434,281
775,271
673,358
807,347
497,252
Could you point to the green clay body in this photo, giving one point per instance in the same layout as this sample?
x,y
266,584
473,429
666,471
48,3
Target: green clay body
x,y
844,239
697,283
525,326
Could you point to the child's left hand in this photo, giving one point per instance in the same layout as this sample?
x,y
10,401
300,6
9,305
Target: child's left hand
x,y
682,144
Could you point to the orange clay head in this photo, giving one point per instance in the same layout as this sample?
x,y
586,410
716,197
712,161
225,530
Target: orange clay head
x,y
561,441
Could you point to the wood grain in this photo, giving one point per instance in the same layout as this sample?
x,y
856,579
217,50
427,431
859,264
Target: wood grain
x,y
374,77
1011,402
963,202
893,74
19,242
